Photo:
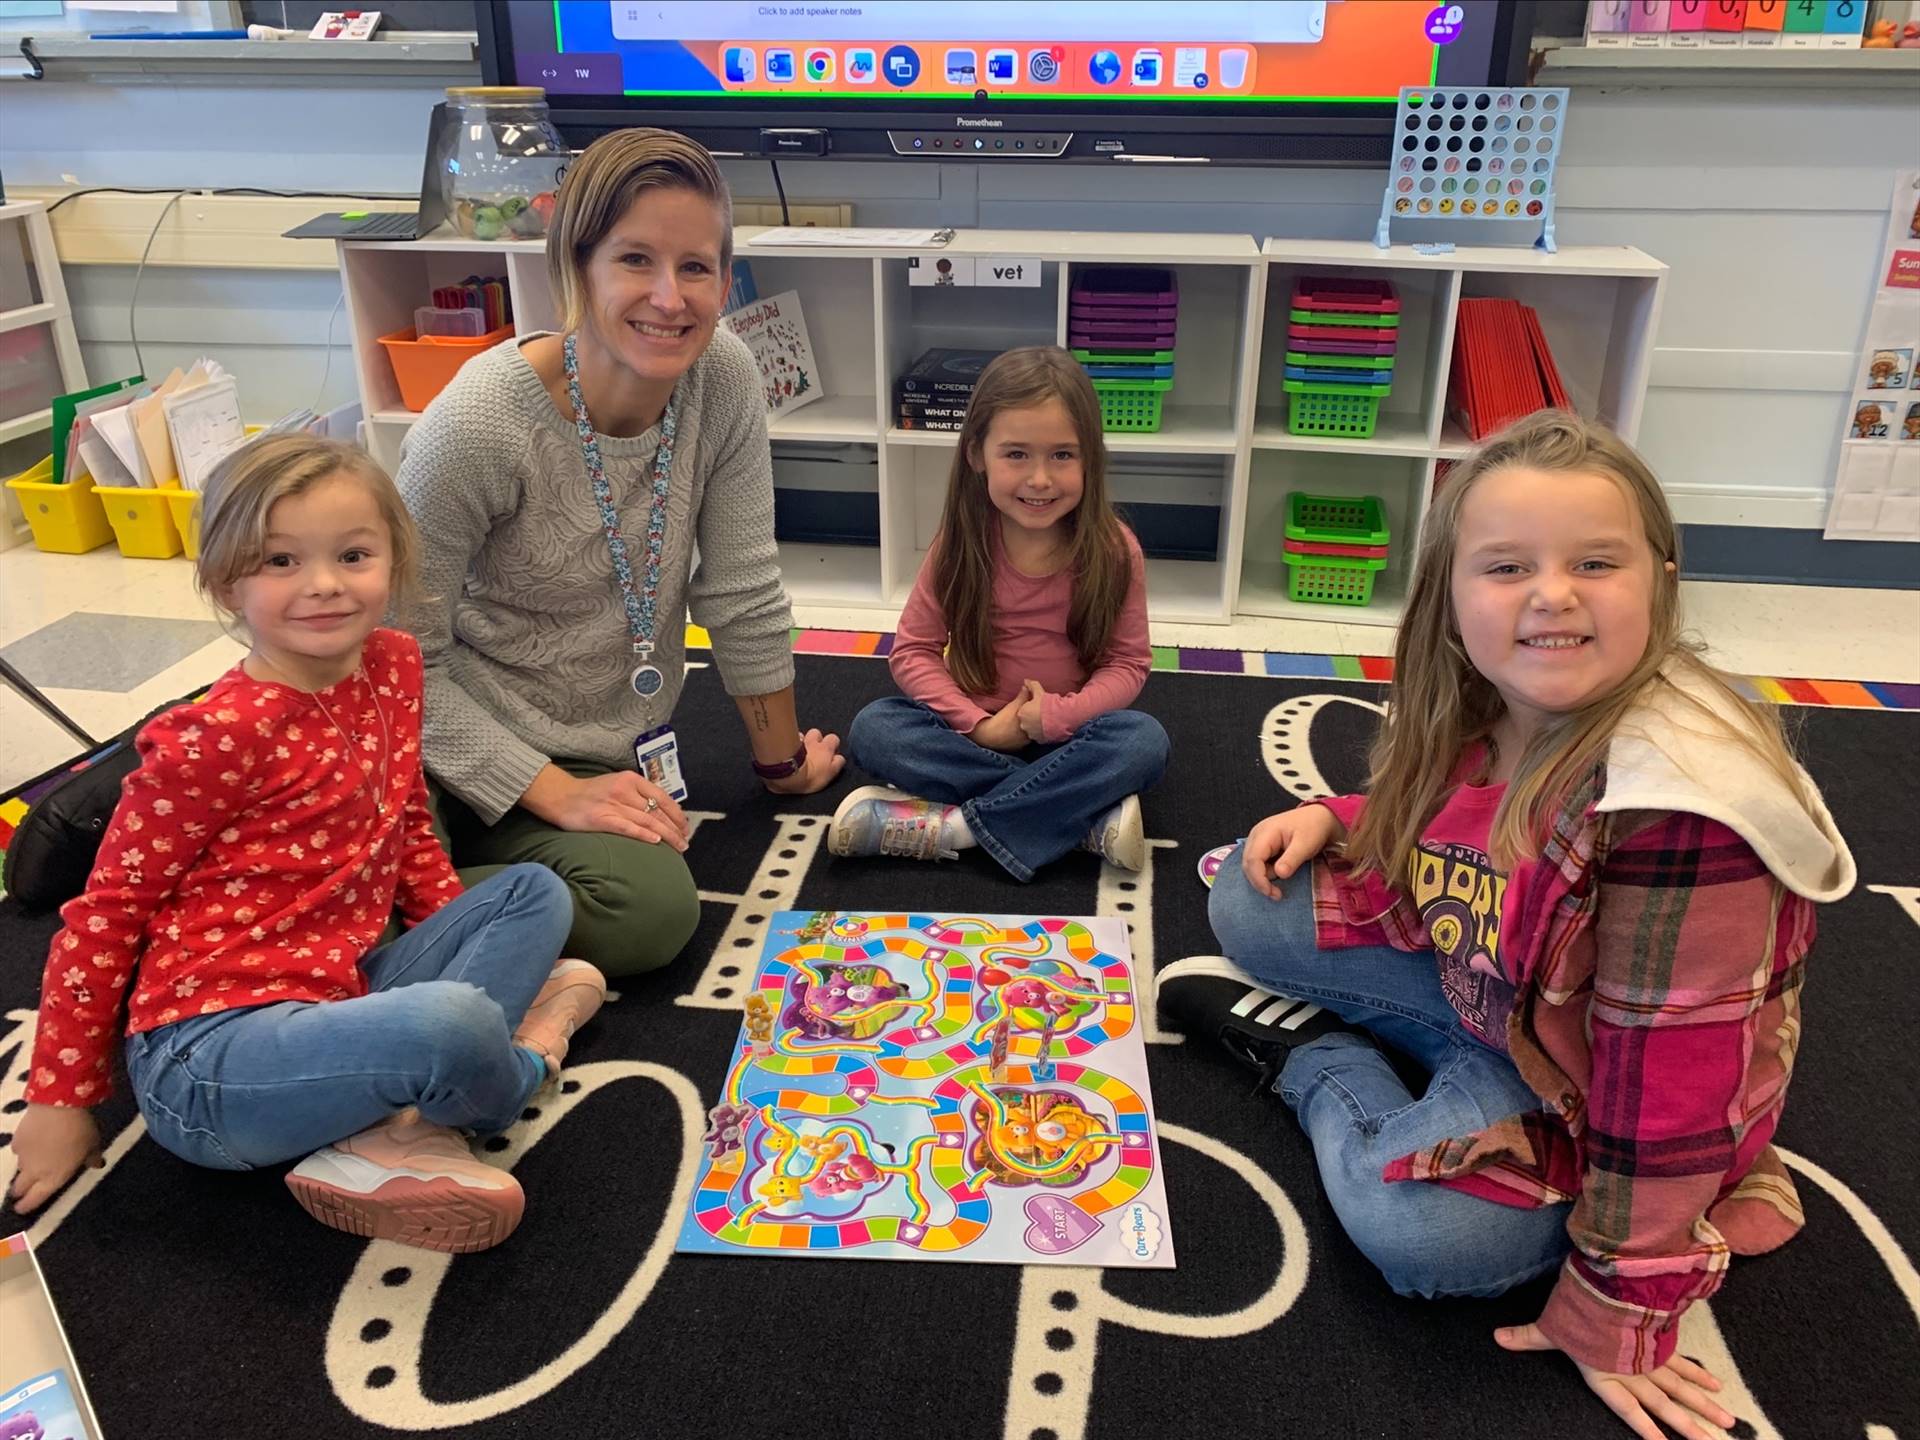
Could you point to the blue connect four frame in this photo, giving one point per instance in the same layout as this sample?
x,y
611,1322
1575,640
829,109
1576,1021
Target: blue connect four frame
x,y
1475,153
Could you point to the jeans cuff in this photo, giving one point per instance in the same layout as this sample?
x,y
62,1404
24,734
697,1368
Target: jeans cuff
x,y
1008,860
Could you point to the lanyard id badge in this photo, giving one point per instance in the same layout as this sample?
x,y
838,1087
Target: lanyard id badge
x,y
657,754
646,679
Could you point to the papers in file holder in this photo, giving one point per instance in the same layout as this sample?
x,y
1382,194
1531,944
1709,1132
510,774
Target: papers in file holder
x,y
205,424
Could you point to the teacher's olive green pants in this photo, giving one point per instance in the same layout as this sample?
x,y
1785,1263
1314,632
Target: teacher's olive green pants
x,y
634,904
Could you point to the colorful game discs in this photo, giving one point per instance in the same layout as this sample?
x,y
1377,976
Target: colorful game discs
x,y
1211,862
1462,131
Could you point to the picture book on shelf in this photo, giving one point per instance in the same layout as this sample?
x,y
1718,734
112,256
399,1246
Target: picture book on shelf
x,y
776,332
941,371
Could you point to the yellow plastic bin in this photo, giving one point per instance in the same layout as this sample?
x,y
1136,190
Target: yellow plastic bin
x,y
66,519
184,506
142,521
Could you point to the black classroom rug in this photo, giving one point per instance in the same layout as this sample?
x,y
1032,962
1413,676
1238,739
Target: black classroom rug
x,y
207,1304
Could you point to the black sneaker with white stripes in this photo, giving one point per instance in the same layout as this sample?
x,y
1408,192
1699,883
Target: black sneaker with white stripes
x,y
1210,996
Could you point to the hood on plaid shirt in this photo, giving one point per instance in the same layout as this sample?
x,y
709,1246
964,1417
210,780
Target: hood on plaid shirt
x,y
1666,756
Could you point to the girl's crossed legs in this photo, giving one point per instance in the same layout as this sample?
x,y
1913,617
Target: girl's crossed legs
x,y
1426,1239
258,1086
1025,810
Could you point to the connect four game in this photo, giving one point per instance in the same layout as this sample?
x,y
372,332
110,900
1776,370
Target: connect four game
x,y
1475,153
937,1087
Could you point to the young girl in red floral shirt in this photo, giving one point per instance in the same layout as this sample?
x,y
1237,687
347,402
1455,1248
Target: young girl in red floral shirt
x,y
242,889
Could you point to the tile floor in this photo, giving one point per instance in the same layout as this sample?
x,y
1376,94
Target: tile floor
x,y
109,639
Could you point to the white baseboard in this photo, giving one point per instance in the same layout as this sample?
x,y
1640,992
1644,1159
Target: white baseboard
x,y
1769,507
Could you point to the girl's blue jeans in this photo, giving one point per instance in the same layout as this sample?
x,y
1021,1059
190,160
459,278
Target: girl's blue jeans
x,y
1427,1239
269,1083
1025,809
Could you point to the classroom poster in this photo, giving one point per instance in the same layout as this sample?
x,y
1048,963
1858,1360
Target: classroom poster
x,y
1876,488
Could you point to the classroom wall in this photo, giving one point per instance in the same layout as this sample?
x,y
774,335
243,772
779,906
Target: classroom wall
x,y
1768,206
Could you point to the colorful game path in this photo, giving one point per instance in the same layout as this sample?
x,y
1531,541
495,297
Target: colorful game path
x,y
920,1087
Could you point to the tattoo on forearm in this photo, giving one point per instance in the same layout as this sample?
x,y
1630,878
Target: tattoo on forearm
x,y
760,719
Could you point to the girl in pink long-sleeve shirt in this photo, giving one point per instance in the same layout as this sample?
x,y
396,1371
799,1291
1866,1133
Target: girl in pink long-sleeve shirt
x,y
1024,640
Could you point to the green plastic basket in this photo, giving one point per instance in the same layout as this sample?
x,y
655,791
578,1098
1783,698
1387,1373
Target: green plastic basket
x,y
1336,519
1344,318
1331,579
1341,362
1132,405
1346,411
1124,357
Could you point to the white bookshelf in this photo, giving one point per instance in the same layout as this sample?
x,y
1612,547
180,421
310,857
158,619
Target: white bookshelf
x,y
1599,307
42,349
1222,444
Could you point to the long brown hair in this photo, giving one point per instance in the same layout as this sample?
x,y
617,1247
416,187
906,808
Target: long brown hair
x,y
1097,554
1440,704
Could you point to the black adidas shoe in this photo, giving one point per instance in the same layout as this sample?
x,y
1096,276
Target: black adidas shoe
x,y
1208,995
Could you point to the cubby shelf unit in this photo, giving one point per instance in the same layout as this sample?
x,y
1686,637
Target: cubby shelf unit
x,y
1222,450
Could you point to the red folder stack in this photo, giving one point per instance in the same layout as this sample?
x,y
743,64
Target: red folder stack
x,y
1502,370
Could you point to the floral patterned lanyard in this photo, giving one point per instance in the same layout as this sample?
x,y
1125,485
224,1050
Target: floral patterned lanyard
x,y
647,681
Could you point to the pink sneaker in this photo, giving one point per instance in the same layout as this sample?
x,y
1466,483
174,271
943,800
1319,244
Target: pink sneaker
x,y
572,995
411,1181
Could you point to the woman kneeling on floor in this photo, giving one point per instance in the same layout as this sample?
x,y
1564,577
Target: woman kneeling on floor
x,y
562,483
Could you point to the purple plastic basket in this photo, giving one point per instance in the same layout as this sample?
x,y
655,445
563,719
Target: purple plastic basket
x,y
1133,286
1142,315
1343,347
1093,334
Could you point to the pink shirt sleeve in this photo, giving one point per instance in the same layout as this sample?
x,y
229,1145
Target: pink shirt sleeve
x,y
1117,681
918,661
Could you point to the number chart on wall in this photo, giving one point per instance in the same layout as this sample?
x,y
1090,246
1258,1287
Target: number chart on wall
x,y
1475,154
1718,24
937,1087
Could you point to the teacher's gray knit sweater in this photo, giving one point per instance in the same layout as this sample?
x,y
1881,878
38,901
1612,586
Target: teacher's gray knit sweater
x,y
523,628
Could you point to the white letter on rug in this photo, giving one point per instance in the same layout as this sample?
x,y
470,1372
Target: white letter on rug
x,y
397,1403
1286,740
796,840
1088,1305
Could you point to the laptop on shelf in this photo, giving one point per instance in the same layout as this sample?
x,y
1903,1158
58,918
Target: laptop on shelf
x,y
380,224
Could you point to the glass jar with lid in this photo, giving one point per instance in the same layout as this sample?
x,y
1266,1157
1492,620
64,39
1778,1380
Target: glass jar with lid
x,y
502,161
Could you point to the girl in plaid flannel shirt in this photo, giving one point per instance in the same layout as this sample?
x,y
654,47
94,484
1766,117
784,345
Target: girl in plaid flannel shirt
x,y
1589,920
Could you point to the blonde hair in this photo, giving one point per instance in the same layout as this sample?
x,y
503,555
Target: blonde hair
x,y
601,186
1096,556
237,506
1440,704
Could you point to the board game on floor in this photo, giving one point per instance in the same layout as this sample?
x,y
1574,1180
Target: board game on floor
x,y
922,1087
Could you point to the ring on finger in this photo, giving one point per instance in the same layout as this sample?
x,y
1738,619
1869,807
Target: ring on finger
x,y
653,804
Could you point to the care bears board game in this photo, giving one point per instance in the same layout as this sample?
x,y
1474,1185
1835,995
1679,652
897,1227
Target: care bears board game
x,y
937,1087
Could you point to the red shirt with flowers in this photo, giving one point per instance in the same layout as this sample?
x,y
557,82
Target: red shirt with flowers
x,y
254,858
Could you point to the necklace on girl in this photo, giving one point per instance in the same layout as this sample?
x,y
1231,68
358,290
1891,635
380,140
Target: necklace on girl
x,y
378,796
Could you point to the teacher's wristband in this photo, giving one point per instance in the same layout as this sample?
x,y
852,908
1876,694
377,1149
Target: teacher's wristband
x,y
781,769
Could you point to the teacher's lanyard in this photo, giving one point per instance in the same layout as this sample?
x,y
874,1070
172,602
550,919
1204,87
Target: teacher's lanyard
x,y
647,681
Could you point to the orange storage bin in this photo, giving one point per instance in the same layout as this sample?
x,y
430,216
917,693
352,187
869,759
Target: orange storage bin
x,y
423,364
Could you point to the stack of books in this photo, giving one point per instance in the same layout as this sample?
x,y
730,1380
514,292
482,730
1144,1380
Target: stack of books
x,y
1502,369
934,391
